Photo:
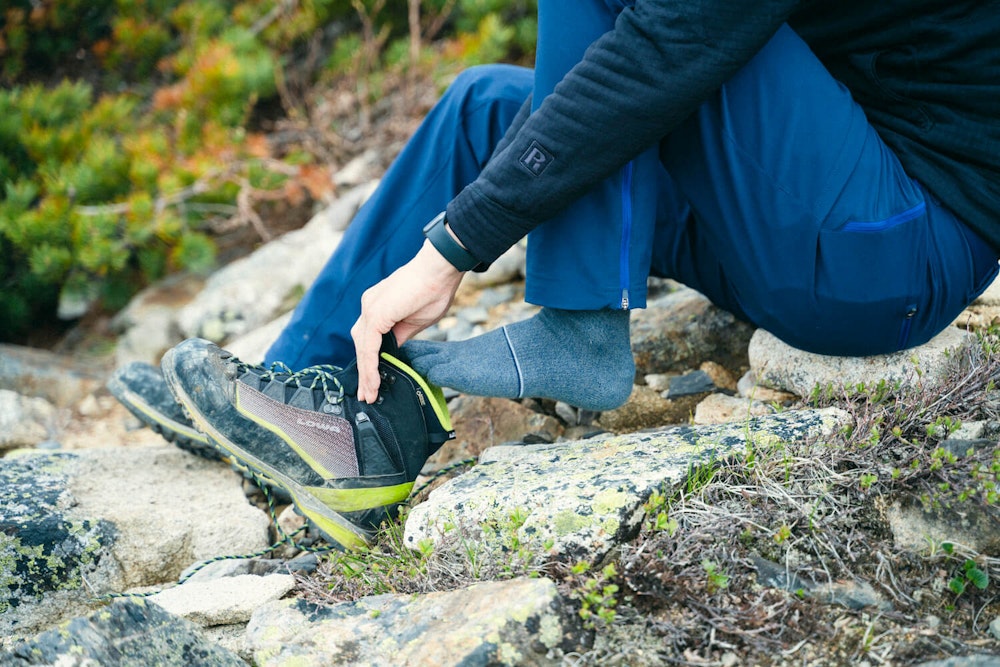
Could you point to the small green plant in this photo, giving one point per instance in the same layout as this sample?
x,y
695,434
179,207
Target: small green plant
x,y
968,573
783,533
867,479
717,578
597,594
657,516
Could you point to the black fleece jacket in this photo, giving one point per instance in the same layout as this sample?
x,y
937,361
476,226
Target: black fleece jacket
x,y
927,73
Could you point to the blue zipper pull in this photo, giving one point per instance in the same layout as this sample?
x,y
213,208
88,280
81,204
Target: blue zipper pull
x,y
624,299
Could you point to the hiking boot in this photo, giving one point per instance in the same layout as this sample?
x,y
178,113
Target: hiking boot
x,y
347,465
141,388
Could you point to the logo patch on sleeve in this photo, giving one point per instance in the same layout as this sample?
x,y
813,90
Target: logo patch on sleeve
x,y
536,158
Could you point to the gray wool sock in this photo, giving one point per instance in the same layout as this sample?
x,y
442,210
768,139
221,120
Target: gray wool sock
x,y
582,357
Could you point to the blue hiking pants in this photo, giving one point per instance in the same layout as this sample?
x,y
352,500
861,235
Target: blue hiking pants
x,y
776,199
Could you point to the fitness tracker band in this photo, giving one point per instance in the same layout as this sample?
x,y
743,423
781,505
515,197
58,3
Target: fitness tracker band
x,y
442,240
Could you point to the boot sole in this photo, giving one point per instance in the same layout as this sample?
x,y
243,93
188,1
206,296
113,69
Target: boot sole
x,y
334,527
185,437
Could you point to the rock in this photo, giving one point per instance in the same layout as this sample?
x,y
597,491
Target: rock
x,y
971,430
146,325
658,381
518,622
995,628
984,312
720,409
683,329
76,526
24,421
76,300
722,378
981,660
689,384
855,595
61,380
581,499
747,387
252,346
361,169
646,408
127,633
780,366
507,268
972,524
224,601
254,290
483,422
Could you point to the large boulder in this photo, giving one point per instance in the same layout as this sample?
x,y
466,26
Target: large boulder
x,y
578,500
128,633
74,527
781,366
680,330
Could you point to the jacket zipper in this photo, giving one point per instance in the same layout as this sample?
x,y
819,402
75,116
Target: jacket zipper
x,y
626,232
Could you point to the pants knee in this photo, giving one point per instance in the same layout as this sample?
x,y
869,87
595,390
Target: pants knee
x,y
488,83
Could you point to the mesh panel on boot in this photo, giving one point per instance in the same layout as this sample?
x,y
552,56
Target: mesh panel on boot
x,y
326,438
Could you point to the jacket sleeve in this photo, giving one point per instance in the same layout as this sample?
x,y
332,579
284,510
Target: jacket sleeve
x,y
634,85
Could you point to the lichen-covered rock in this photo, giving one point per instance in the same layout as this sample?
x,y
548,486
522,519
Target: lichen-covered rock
x,y
521,622
580,499
77,526
128,633
781,366
46,550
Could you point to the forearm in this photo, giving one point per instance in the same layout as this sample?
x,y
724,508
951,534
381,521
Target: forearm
x,y
633,87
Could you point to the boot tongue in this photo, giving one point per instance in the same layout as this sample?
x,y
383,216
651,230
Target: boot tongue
x,y
390,346
348,376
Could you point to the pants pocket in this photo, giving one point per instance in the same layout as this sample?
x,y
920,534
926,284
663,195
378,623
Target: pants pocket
x,y
870,280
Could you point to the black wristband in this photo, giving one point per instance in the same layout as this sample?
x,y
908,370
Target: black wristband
x,y
438,235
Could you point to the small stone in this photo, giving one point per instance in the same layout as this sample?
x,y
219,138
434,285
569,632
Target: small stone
x,y
658,381
995,628
722,378
970,430
748,388
223,601
720,409
49,445
494,296
89,407
304,564
567,413
932,622
689,384
474,314
729,659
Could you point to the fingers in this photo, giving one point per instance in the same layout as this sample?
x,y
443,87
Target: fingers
x,y
367,343
406,302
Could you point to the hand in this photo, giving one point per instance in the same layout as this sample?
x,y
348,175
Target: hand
x,y
413,297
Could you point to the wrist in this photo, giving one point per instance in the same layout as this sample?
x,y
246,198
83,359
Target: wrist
x,y
437,263
447,244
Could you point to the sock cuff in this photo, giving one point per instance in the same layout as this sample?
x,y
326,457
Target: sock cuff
x,y
517,363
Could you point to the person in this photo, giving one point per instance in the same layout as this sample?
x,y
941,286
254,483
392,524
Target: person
x,y
827,171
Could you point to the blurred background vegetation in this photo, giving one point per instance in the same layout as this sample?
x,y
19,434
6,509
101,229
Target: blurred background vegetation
x,y
137,136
